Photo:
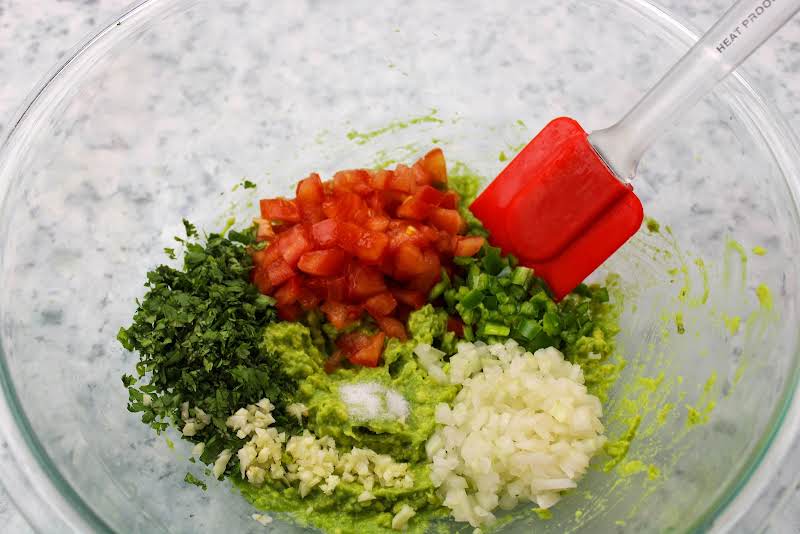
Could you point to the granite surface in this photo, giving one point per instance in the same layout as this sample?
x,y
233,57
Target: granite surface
x,y
35,35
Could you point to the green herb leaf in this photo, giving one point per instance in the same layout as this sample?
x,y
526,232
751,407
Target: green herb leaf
x,y
198,330
128,380
191,479
191,230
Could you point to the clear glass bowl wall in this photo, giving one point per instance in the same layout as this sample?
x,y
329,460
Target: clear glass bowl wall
x,y
160,115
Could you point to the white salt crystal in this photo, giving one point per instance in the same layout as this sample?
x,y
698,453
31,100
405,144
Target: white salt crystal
x,y
397,404
370,401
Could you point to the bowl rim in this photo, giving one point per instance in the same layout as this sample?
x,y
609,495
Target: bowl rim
x,y
29,466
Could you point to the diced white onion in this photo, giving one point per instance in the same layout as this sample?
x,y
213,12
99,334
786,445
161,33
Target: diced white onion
x,y
522,428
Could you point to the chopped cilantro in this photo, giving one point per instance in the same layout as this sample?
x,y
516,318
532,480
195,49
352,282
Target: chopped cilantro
x,y
191,479
191,230
198,331
247,184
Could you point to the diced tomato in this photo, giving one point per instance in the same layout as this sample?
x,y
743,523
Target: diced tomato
x,y
447,220
424,282
333,288
430,273
421,176
430,195
468,246
334,362
310,196
318,286
328,262
387,265
370,354
378,223
338,243
375,202
456,326
352,342
294,243
360,217
396,239
288,292
307,299
330,208
340,315
415,299
392,327
279,209
430,233
380,305
406,233
356,181
392,199
363,282
380,179
368,245
272,252
408,261
258,257
434,164
445,243
432,262
264,231
279,271
290,312
348,235
414,208
323,233
346,206
336,288
398,224
267,255
260,277
403,180
450,200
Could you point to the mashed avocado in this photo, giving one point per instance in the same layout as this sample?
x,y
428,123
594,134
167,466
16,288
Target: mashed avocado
x,y
328,414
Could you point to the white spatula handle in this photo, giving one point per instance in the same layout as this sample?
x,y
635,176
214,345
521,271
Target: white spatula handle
x,y
740,31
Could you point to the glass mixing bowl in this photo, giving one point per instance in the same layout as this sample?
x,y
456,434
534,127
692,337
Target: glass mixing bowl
x,y
163,112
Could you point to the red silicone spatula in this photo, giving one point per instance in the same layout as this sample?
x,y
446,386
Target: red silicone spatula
x,y
564,204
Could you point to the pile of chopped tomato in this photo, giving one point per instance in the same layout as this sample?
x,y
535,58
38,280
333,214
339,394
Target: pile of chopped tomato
x,y
367,241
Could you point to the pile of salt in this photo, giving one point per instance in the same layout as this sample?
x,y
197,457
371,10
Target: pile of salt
x,y
371,401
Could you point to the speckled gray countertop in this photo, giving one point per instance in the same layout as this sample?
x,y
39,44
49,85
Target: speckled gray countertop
x,y
36,34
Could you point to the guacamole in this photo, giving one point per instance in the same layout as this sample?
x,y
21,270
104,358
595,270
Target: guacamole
x,y
308,363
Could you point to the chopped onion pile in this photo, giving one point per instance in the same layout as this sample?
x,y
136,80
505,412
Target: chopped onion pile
x,y
522,428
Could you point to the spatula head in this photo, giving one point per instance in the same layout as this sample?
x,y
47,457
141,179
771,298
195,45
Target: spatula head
x,y
559,208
